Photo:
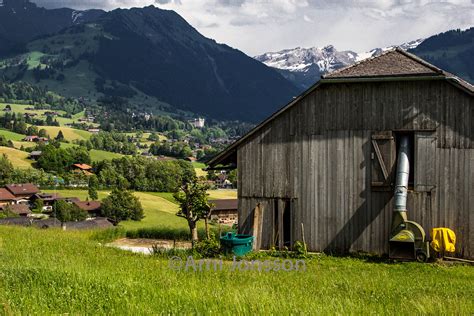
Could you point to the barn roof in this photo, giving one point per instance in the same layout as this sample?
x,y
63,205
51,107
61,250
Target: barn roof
x,y
5,195
22,189
393,65
224,204
88,206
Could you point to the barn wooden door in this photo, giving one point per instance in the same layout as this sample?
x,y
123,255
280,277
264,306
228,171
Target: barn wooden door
x,y
282,223
425,161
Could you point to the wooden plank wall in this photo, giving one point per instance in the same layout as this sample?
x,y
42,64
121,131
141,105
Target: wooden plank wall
x,y
318,153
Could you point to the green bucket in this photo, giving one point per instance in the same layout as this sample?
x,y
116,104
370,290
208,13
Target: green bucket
x,y
239,245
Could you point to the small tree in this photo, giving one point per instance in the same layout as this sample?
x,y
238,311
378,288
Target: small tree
x,y
60,136
122,205
66,212
42,133
38,207
6,169
193,204
93,186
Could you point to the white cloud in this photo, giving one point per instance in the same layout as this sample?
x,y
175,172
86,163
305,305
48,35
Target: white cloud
x,y
257,26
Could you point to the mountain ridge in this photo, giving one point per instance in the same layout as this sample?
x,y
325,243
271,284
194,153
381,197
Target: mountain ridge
x,y
154,53
304,66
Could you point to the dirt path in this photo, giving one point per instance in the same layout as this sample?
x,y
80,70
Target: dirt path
x,y
146,245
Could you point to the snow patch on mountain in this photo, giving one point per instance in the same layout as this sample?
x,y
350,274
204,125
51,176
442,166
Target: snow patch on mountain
x,y
301,59
77,15
304,65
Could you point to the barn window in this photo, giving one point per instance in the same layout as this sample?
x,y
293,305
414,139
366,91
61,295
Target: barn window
x,y
383,158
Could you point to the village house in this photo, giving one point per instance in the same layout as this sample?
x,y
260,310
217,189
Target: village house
x,y
322,169
48,200
22,192
91,207
35,155
82,168
6,197
32,138
17,209
198,123
224,211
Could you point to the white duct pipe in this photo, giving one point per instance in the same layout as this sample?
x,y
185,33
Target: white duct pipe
x,y
403,172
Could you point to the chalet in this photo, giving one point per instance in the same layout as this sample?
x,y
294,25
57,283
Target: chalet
x,y
32,138
17,209
91,207
94,130
7,109
35,155
22,191
82,168
51,113
323,168
6,197
48,200
224,211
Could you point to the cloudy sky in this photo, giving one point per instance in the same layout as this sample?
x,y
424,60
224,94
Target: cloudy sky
x,y
258,26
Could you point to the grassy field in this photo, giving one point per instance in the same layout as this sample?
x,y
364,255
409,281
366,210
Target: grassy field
x,y
99,155
198,167
222,194
65,272
159,211
18,158
11,135
70,134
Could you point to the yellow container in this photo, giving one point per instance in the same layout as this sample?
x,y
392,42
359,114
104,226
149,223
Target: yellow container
x,y
443,240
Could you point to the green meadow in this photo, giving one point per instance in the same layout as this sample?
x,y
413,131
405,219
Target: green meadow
x,y
66,272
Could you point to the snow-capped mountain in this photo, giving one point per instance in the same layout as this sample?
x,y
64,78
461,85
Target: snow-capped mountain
x,y
304,66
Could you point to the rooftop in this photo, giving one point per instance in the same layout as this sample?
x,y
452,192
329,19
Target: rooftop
x,y
6,195
22,189
224,204
88,206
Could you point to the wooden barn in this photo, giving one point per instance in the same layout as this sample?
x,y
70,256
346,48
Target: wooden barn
x,y
325,163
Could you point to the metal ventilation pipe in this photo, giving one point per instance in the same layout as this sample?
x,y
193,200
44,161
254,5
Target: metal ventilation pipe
x,y
403,172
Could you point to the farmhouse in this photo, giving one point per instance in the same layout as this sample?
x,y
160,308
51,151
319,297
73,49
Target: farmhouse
x,y
35,155
91,207
82,168
22,191
6,197
224,211
48,200
323,167
17,209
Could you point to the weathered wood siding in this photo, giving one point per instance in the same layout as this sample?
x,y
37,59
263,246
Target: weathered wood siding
x,y
319,154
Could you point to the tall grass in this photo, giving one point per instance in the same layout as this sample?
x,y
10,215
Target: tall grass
x,y
66,272
172,233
